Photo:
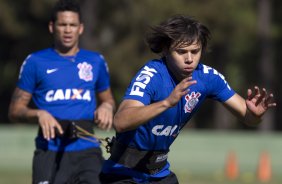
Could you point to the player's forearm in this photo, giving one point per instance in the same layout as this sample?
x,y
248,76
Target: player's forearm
x,y
110,104
237,105
19,110
23,114
250,119
132,117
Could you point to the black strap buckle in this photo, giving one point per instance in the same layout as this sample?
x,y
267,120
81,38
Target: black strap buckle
x,y
70,128
109,143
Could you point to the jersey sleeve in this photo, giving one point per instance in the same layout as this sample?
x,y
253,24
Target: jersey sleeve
x,y
27,75
143,85
218,87
103,82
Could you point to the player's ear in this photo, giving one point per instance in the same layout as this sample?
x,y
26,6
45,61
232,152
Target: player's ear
x,y
165,52
51,27
81,28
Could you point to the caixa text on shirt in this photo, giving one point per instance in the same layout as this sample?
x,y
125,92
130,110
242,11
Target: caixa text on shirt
x,y
162,130
68,94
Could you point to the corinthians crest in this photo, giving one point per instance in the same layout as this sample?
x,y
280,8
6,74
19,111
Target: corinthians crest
x,y
85,71
191,101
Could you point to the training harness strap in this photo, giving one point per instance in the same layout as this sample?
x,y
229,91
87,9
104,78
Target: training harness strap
x,y
149,162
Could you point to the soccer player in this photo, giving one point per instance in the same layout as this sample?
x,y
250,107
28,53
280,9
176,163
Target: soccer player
x,y
63,82
162,98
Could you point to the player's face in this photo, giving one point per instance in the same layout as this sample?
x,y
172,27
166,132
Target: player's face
x,y
66,30
182,61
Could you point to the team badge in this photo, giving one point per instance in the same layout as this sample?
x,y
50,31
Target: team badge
x,y
191,101
85,71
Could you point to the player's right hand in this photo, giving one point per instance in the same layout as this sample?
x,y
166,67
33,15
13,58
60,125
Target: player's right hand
x,y
180,90
48,124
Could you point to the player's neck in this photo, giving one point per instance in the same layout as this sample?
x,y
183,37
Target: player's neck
x,y
67,51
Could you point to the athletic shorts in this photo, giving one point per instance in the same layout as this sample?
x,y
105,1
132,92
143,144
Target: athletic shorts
x,y
51,167
119,179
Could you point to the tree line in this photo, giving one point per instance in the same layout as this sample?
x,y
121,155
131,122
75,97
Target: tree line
x,y
245,45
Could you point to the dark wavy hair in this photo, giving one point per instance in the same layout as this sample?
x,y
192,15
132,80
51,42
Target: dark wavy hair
x,y
66,5
175,32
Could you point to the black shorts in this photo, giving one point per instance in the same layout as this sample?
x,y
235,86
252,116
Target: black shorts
x,y
67,167
119,179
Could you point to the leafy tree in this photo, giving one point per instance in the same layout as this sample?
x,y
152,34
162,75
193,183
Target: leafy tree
x,y
117,29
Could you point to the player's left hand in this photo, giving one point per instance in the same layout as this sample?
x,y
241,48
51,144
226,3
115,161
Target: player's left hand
x,y
258,101
104,116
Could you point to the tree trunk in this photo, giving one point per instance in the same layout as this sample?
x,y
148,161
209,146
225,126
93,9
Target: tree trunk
x,y
266,63
89,17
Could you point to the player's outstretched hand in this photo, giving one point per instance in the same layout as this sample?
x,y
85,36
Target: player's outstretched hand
x,y
258,101
179,91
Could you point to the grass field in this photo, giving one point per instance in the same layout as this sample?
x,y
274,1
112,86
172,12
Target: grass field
x,y
197,157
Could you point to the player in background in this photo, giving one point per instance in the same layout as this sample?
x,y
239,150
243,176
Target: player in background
x,y
162,98
64,81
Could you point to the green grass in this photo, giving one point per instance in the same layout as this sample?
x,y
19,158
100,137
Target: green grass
x,y
197,157
201,155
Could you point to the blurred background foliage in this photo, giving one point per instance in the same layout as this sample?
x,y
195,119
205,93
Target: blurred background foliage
x,y
245,47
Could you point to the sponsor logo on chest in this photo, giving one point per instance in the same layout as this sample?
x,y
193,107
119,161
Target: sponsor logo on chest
x,y
68,94
161,130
